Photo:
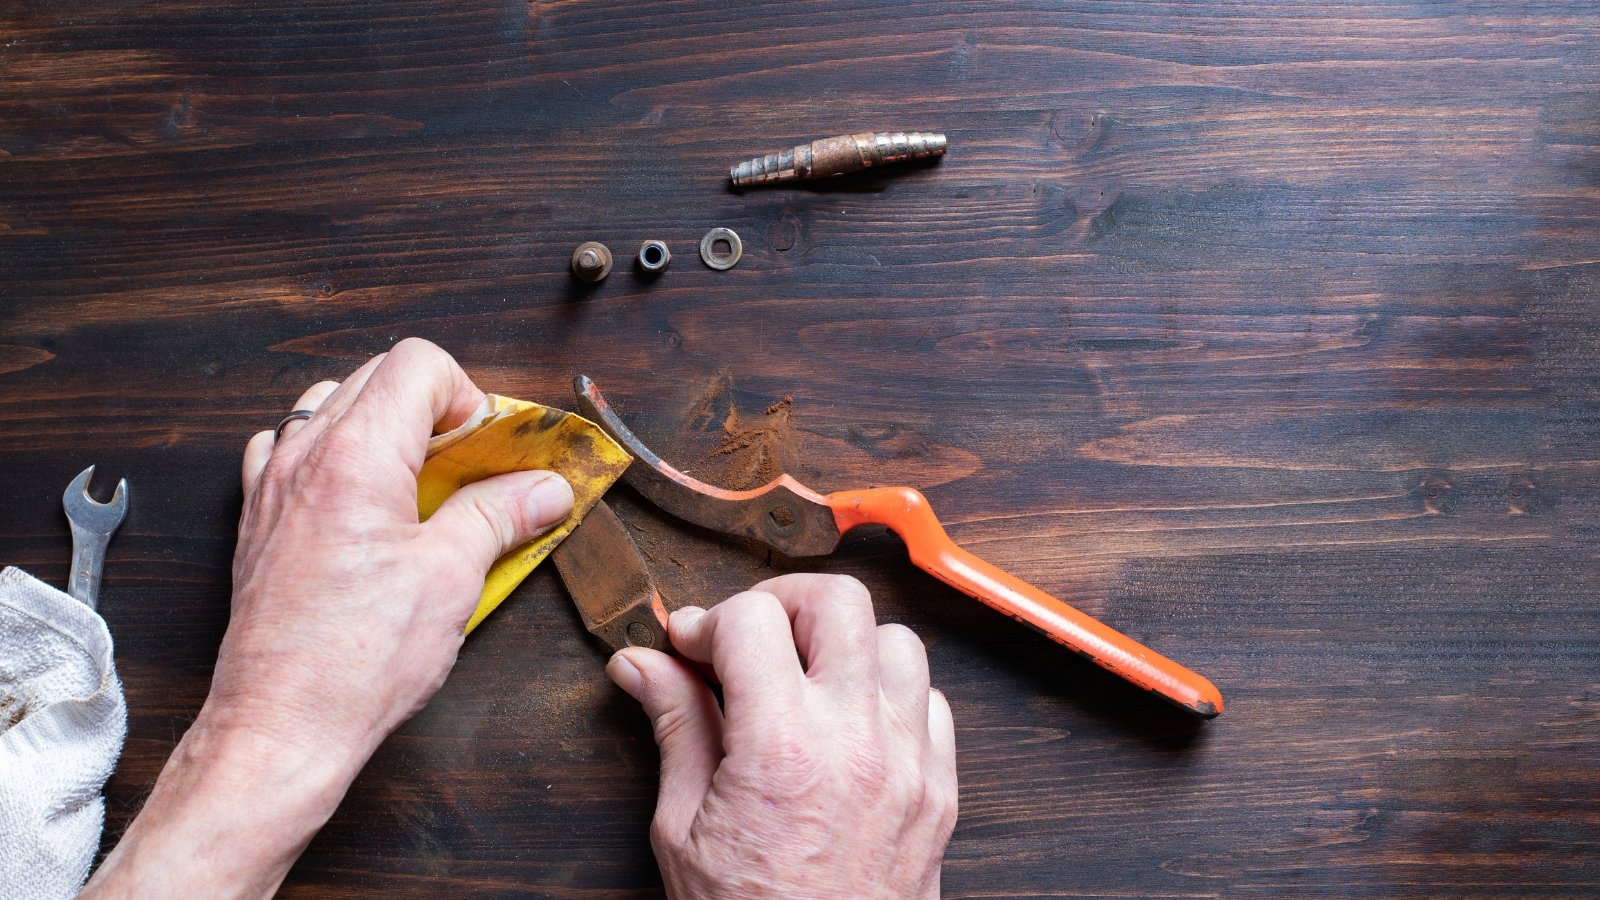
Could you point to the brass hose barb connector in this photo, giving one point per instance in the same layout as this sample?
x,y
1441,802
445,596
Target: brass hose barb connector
x,y
837,156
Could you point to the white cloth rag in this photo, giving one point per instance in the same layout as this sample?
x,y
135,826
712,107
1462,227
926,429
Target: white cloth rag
x,y
62,722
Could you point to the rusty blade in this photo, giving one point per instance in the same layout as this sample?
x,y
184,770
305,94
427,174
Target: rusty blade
x,y
783,514
610,584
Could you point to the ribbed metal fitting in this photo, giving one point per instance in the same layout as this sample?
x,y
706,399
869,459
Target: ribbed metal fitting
x,y
837,156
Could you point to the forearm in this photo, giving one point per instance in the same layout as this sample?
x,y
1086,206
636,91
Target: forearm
x,y
229,815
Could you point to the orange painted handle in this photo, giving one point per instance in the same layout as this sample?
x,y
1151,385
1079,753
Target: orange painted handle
x,y
907,512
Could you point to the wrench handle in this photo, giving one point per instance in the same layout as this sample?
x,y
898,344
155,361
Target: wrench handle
x,y
88,561
906,512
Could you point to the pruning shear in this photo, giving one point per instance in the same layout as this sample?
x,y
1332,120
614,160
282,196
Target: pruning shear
x,y
611,585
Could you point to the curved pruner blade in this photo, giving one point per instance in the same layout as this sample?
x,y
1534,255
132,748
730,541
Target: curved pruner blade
x,y
783,514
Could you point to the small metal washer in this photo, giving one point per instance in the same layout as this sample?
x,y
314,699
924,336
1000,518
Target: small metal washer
x,y
721,262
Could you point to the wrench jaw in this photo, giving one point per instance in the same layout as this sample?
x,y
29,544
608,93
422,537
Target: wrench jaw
x,y
87,513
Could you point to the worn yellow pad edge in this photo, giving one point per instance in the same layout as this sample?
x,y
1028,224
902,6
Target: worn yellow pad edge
x,y
506,435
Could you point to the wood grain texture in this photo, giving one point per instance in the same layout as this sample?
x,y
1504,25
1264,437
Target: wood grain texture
x,y
1266,331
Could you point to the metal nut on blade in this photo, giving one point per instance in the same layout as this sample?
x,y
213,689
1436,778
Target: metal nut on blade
x,y
654,256
591,261
721,259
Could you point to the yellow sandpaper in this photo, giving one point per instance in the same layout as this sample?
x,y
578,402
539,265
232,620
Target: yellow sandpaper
x,y
506,435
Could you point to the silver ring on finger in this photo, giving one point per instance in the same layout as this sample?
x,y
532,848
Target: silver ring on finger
x,y
277,433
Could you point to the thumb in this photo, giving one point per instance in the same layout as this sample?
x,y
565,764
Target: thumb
x,y
489,517
688,727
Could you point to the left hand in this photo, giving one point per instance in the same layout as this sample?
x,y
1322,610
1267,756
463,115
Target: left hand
x,y
347,616
348,612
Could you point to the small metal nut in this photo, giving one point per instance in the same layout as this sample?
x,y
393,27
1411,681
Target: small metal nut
x,y
654,256
591,261
708,251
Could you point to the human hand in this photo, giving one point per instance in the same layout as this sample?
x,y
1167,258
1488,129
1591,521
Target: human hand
x,y
347,615
838,780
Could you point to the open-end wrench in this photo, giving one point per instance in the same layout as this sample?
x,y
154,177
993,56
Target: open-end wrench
x,y
93,524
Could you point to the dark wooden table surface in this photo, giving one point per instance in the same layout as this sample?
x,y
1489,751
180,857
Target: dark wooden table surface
x,y
1265,331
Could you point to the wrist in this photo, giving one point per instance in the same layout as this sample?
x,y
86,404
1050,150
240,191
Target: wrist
x,y
262,740
232,810
294,780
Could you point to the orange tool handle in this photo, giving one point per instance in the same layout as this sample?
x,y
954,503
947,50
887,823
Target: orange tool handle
x,y
908,514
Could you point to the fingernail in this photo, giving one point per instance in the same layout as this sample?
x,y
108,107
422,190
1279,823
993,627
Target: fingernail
x,y
625,674
683,618
548,501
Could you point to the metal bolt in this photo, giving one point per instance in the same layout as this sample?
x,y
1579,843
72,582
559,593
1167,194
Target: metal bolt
x,y
591,261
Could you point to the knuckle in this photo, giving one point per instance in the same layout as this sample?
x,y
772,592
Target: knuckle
x,y
665,839
416,347
269,488
502,530
272,479
899,635
846,591
748,610
672,723
910,794
845,602
417,353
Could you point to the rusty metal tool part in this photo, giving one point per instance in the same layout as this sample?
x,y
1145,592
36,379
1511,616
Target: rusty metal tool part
x,y
93,523
837,156
654,256
610,583
715,258
793,519
591,261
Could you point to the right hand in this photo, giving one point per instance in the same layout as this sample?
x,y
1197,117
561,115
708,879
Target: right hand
x,y
836,780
